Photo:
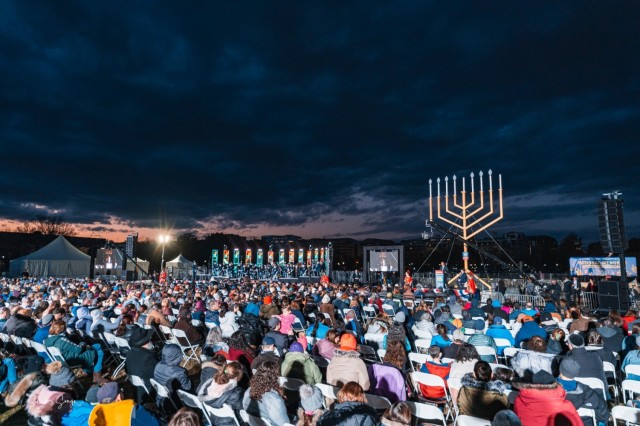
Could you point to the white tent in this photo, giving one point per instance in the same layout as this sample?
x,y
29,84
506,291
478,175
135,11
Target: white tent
x,y
180,267
143,264
59,258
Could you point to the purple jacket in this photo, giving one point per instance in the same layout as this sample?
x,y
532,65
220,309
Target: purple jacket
x,y
387,381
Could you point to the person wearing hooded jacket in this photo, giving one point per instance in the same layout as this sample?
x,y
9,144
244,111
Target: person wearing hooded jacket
x,y
346,364
299,365
351,409
168,371
480,396
99,324
498,331
223,389
543,402
580,395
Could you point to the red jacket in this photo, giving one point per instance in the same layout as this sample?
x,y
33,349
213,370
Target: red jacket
x,y
545,405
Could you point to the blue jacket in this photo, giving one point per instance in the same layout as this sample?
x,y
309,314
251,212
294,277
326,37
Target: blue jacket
x,y
41,334
528,330
500,332
253,308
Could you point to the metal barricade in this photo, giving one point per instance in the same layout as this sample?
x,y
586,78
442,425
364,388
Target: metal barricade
x,y
523,299
493,295
590,300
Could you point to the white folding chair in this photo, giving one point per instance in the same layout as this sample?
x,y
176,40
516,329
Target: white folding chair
x,y
626,414
41,350
588,412
511,396
252,420
196,323
610,368
224,412
138,382
409,303
328,317
426,379
167,335
594,383
378,402
487,351
421,334
381,353
163,392
328,391
426,412
632,369
180,334
369,313
192,401
388,309
422,345
123,347
368,353
290,383
510,353
56,355
501,342
417,360
464,420
629,387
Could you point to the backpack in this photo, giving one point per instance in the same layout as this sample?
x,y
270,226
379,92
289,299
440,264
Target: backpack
x,y
251,327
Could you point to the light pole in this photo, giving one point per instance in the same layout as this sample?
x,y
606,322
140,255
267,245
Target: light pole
x,y
163,240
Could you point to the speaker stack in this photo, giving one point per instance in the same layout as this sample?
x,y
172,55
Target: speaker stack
x,y
611,220
613,295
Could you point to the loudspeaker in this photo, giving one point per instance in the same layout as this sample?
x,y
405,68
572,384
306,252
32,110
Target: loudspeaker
x,y
612,232
613,295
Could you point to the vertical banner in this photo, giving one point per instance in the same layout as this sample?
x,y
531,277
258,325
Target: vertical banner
x,y
259,260
322,254
214,257
308,257
292,256
315,255
281,256
439,278
300,256
247,256
225,257
270,257
236,256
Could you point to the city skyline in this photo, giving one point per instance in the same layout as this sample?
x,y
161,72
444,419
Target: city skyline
x,y
315,120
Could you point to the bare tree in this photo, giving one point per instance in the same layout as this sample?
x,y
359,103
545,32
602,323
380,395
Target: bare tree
x,y
48,225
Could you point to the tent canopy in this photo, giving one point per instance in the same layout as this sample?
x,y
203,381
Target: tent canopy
x,y
59,258
180,267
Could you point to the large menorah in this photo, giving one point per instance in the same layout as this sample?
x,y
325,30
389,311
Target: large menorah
x,y
464,214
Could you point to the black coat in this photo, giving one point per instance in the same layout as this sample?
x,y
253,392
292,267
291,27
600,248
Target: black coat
x,y
585,397
21,326
350,414
590,363
141,362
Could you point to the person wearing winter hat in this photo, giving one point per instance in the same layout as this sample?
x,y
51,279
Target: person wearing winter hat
x,y
90,356
100,325
326,307
268,309
346,364
112,409
311,405
578,394
267,353
49,404
589,361
498,330
506,418
543,402
299,365
141,359
281,340
397,332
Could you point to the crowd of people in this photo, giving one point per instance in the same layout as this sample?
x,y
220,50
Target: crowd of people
x,y
245,338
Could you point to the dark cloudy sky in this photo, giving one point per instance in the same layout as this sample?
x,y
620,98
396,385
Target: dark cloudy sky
x,y
318,119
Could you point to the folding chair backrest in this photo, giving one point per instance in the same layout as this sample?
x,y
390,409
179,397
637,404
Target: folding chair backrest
x,y
297,325
138,382
328,391
192,401
223,412
464,420
290,383
630,386
502,342
388,309
422,345
487,351
632,369
167,335
253,420
625,414
369,312
378,402
426,412
421,334
594,383
161,390
588,412
417,359
429,380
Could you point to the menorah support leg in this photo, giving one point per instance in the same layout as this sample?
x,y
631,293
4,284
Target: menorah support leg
x,y
484,282
455,278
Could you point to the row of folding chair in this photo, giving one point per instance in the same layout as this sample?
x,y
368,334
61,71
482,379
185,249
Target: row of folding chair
x,y
172,335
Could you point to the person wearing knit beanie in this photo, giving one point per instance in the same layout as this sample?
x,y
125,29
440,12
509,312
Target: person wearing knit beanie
x,y
312,404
